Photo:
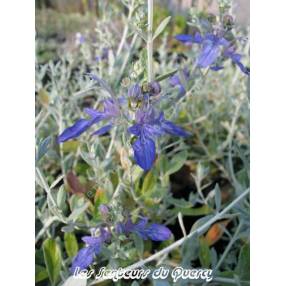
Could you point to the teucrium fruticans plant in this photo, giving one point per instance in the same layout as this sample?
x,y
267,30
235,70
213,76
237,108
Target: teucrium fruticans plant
x,y
138,115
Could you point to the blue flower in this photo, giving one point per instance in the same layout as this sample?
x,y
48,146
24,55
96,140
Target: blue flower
x,y
155,232
86,255
236,59
188,39
110,111
211,50
175,81
103,209
154,88
213,47
149,125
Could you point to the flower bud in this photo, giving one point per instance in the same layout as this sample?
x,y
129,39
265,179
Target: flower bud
x,y
125,82
103,209
134,92
228,22
145,87
154,88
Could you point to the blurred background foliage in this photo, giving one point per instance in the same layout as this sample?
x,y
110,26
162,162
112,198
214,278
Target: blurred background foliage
x,y
57,21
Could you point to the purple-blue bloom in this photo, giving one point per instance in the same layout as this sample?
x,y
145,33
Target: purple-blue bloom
x,y
188,39
175,81
213,46
216,68
154,88
103,209
236,59
110,111
149,125
154,231
135,92
85,256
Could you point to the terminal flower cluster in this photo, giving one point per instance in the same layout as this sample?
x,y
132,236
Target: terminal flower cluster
x,y
149,122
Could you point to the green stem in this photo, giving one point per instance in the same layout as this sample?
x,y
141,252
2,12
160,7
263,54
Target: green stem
x,y
125,32
150,41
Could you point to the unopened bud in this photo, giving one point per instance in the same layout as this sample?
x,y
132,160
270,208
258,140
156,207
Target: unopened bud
x,y
125,82
134,92
228,22
103,209
154,88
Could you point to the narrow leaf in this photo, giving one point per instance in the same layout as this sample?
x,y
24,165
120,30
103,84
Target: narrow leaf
x,y
161,27
176,163
43,147
204,253
198,211
71,245
243,266
166,75
77,212
61,197
148,183
52,256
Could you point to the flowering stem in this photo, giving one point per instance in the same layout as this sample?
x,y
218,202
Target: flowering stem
x,y
150,41
199,231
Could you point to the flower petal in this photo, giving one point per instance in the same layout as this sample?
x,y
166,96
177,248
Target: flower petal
x,y
174,80
158,232
151,131
223,42
216,68
171,128
103,130
90,240
134,91
208,55
75,130
135,129
235,57
94,114
83,258
144,153
243,68
189,38
140,228
141,223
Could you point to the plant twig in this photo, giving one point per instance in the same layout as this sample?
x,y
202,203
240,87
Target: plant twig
x,y
125,32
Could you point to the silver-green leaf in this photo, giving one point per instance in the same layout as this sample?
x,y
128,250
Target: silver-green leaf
x,y
161,27
53,259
